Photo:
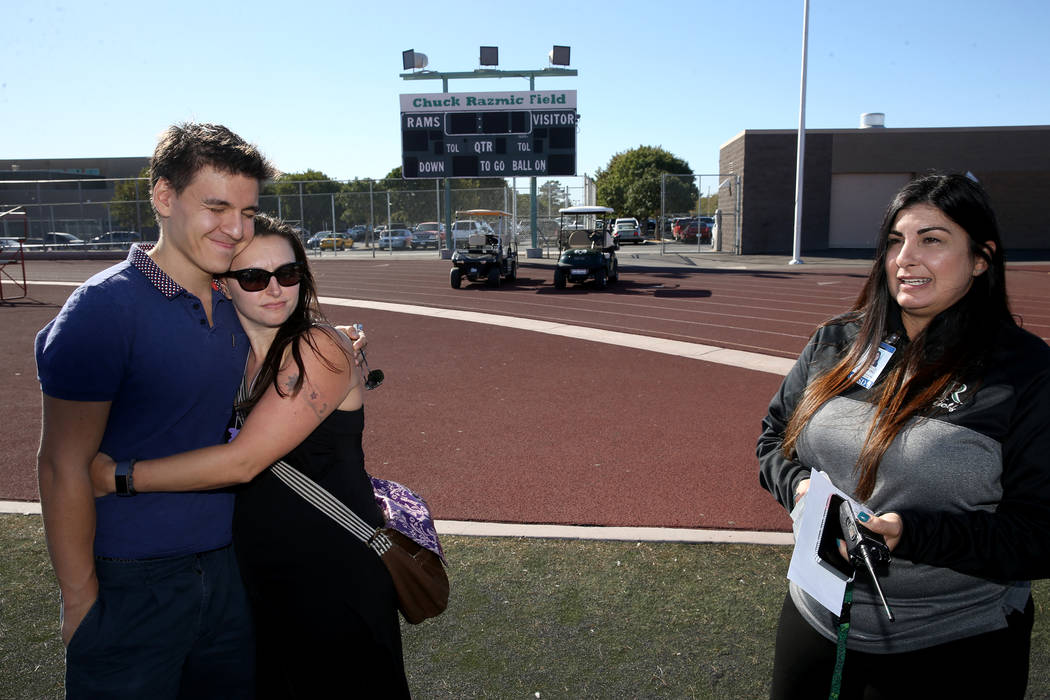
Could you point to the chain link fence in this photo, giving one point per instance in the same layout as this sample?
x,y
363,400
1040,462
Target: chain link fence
x,y
714,199
112,213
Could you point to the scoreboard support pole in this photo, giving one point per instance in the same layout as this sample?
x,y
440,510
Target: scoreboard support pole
x,y
532,212
532,191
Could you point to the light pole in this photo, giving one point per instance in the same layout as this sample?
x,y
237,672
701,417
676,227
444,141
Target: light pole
x,y
796,247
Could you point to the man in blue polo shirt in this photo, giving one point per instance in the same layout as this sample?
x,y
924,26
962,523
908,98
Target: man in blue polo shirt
x,y
144,360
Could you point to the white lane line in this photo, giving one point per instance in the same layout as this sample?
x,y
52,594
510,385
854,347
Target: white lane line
x,y
706,353
471,528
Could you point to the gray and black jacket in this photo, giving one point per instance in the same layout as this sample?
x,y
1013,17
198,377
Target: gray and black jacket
x,y
971,480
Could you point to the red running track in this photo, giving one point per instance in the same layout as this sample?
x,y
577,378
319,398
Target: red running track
x,y
497,424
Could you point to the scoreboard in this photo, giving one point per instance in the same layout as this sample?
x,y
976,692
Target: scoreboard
x,y
475,135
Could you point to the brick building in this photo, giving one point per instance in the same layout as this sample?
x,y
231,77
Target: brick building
x,y
850,175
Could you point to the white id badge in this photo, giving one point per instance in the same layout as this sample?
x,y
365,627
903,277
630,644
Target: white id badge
x,y
885,353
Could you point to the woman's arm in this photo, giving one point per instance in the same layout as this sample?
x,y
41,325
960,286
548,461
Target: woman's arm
x,y
274,428
783,477
1013,541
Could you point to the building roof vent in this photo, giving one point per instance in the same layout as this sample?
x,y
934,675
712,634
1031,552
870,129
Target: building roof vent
x,y
873,120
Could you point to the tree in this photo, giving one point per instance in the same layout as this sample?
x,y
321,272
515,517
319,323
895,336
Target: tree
x,y
131,208
708,204
630,184
551,196
418,199
309,206
354,204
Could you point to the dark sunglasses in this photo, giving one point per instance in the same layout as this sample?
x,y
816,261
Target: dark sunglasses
x,y
253,279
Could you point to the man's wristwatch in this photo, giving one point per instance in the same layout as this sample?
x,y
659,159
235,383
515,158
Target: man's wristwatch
x,y
125,484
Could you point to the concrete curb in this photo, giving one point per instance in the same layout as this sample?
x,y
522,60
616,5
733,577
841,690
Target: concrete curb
x,y
572,532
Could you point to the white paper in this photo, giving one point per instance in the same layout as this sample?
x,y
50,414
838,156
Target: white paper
x,y
822,581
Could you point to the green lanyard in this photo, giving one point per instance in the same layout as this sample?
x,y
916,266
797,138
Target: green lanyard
x,y
840,649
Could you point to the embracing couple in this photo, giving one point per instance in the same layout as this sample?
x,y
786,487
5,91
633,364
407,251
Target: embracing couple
x,y
152,515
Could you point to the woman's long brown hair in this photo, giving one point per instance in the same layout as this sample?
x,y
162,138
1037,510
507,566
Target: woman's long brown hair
x,y
290,336
954,344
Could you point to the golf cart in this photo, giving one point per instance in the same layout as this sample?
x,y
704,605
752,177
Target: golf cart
x,y
586,248
487,251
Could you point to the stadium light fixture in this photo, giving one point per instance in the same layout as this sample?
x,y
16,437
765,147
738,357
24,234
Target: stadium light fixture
x,y
559,56
489,56
412,59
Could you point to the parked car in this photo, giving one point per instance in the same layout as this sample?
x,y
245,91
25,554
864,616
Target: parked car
x,y
329,240
396,238
117,238
428,234
678,224
708,223
334,240
359,233
10,244
461,230
694,227
627,229
63,239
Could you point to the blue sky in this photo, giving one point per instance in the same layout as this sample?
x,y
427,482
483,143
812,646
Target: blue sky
x,y
316,84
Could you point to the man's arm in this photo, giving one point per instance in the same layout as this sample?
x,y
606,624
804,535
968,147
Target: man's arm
x,y
71,435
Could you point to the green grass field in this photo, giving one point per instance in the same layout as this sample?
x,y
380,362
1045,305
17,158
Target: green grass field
x,y
528,619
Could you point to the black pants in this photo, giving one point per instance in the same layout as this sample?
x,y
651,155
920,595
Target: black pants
x,y
990,665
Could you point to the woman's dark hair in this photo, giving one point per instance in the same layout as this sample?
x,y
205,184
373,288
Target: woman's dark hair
x,y
953,345
295,329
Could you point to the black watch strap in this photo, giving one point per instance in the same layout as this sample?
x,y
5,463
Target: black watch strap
x,y
125,484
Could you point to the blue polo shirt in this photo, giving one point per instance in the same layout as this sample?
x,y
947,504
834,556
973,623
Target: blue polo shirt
x,y
132,336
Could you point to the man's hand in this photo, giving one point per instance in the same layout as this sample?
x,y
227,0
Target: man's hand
x,y
73,613
71,433
359,338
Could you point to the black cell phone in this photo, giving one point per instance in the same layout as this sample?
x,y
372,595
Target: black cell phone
x,y
858,538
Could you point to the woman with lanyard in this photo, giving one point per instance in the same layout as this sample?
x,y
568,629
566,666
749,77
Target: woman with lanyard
x,y
927,403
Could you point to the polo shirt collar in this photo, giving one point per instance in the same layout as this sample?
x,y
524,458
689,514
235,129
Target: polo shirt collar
x,y
159,278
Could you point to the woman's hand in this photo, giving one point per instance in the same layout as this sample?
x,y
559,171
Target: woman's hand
x,y
801,489
889,525
103,475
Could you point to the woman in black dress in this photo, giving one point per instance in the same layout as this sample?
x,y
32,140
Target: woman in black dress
x,y
324,606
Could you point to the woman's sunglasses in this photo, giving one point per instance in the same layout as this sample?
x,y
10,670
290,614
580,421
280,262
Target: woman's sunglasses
x,y
253,279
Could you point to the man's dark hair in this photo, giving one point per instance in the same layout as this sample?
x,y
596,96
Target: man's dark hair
x,y
184,149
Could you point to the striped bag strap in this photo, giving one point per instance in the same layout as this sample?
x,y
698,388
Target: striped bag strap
x,y
324,501
319,497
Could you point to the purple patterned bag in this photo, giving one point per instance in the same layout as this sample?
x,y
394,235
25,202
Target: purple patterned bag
x,y
406,512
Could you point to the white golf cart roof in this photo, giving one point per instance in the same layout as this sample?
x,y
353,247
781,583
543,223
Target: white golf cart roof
x,y
483,212
586,210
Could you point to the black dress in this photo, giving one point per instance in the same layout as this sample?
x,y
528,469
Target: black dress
x,y
324,606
